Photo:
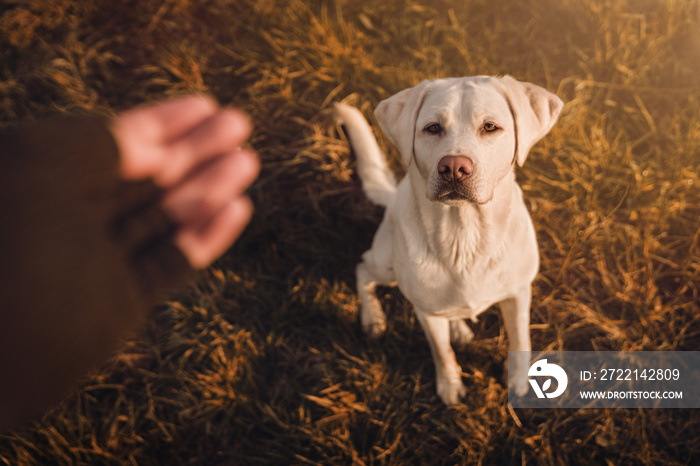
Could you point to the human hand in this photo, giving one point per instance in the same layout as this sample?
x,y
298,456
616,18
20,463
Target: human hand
x,y
192,150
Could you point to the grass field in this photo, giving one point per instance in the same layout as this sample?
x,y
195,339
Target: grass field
x,y
262,361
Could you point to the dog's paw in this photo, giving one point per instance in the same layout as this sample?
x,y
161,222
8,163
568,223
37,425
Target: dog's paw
x,y
460,334
516,372
374,329
518,382
519,385
372,318
450,390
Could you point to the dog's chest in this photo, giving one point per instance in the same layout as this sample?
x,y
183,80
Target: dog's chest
x,y
437,287
459,272
451,279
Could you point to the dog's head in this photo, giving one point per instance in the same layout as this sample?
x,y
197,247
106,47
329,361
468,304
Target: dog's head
x,y
465,134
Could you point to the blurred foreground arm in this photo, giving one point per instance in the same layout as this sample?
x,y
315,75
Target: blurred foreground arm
x,y
85,254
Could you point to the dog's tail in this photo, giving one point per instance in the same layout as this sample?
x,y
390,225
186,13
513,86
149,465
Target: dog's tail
x,y
377,180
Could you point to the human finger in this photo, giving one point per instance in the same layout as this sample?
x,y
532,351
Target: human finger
x,y
203,194
203,244
218,134
144,133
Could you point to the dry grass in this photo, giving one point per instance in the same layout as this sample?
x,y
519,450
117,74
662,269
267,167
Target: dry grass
x,y
262,361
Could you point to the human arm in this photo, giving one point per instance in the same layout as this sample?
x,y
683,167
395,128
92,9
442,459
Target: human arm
x,y
98,222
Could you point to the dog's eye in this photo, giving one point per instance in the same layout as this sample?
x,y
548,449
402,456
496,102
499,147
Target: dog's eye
x,y
434,128
490,127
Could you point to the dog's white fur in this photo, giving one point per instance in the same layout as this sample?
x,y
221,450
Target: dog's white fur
x,y
453,251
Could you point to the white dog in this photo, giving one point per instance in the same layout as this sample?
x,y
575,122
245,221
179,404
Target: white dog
x,y
456,236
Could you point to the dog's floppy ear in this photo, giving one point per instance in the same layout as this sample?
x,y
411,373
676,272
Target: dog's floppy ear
x,y
535,110
397,118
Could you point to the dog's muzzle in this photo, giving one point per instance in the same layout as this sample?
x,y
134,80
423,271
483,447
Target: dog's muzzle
x,y
454,172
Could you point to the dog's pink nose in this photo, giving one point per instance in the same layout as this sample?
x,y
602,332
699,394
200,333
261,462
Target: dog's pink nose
x,y
455,169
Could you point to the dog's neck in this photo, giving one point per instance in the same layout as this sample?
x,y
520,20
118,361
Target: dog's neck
x,y
472,234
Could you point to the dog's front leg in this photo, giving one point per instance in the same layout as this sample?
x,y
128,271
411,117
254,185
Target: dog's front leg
x,y
372,317
448,374
516,317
